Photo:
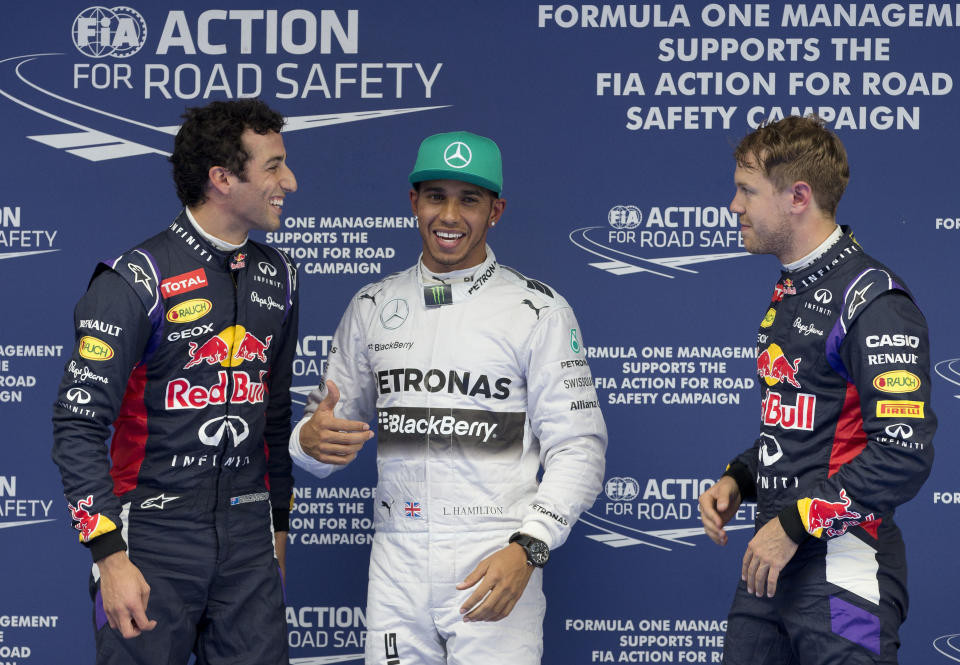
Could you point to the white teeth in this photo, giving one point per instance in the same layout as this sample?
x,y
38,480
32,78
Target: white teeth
x,y
276,202
446,235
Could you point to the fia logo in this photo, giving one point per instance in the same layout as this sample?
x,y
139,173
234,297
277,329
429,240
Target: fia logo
x,y
99,32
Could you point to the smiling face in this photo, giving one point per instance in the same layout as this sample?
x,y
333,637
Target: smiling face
x,y
765,221
454,218
256,200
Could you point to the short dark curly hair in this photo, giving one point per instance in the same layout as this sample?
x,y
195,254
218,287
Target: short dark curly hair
x,y
210,136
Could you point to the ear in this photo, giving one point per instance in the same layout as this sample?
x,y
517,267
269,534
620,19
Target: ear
x,y
496,210
219,179
801,197
414,197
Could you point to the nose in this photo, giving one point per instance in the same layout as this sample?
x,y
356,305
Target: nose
x,y
451,210
736,206
288,181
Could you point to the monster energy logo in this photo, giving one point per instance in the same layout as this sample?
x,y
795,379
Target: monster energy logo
x,y
437,295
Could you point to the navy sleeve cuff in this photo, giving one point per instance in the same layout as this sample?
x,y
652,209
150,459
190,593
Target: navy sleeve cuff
x,y
105,545
790,521
281,519
741,475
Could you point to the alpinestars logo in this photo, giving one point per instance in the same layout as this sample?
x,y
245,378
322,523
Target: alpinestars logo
x,y
633,240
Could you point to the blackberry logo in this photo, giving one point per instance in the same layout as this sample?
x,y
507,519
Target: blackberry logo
x,y
99,32
431,425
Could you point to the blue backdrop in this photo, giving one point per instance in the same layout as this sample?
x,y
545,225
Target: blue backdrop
x,y
617,124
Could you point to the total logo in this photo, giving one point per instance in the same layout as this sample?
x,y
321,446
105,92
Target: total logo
x,y
631,504
774,368
661,242
229,348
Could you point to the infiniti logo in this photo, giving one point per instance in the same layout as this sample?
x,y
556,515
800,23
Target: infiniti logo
x,y
78,396
394,313
823,296
901,431
766,456
212,432
267,268
457,155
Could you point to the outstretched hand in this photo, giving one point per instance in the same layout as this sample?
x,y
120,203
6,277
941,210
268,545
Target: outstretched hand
x,y
329,439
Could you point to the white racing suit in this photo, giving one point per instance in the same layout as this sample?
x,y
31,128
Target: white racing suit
x,y
475,385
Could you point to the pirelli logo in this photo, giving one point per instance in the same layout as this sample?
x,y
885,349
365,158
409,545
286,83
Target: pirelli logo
x,y
899,409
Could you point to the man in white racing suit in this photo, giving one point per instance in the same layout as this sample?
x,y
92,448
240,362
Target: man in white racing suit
x,y
478,377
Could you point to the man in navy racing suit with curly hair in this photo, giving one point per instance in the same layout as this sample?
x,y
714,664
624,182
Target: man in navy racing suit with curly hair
x,y
184,346
846,422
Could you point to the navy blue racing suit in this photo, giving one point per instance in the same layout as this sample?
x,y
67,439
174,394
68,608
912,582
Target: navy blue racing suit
x,y
186,352
846,436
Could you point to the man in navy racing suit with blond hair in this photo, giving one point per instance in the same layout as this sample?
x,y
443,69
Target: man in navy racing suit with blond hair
x,y
846,422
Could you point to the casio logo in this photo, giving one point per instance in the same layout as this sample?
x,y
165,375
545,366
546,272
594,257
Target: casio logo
x,y
874,341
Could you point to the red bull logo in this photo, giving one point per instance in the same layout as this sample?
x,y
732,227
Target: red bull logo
x,y
834,516
181,394
229,348
250,347
774,368
214,350
797,416
89,525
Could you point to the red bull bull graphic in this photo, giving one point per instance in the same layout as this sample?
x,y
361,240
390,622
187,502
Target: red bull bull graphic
x,y
832,517
214,350
796,416
774,368
251,347
181,394
89,526
230,347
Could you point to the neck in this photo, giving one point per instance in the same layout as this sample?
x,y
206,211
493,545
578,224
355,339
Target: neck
x,y
217,225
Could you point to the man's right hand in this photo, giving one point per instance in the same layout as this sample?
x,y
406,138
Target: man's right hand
x,y
124,593
332,440
718,505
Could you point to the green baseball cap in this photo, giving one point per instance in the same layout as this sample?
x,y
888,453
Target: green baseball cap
x,y
459,156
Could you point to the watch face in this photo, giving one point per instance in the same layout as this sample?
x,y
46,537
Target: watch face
x,y
539,553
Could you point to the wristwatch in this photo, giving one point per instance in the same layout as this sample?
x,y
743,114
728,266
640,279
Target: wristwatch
x,y
537,551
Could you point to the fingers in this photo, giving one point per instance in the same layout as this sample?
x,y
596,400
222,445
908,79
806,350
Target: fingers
x,y
712,521
475,576
333,396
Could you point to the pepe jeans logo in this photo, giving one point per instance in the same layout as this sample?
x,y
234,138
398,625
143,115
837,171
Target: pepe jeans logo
x,y
457,155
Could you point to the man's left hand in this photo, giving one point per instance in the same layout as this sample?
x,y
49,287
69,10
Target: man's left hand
x,y
502,577
767,553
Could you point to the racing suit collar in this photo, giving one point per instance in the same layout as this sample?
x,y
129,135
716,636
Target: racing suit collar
x,y
797,281
447,288
188,239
